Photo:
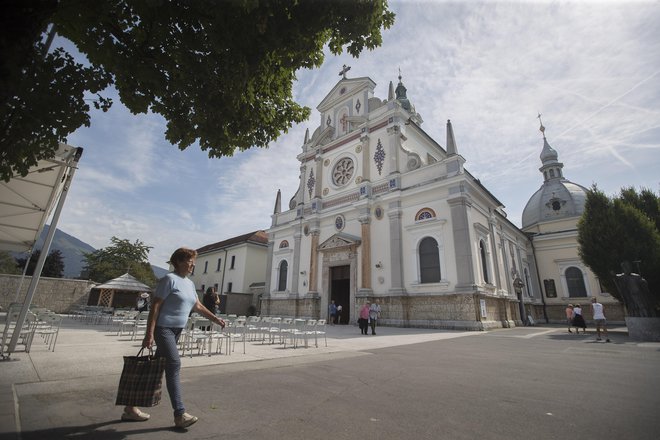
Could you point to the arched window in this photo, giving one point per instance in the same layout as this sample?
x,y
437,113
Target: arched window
x,y
484,260
424,214
281,285
575,282
284,244
429,261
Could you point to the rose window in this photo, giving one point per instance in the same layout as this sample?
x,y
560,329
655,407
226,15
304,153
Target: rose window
x,y
343,171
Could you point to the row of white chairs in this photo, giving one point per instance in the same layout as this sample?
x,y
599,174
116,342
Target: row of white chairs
x,y
92,314
39,321
283,330
202,334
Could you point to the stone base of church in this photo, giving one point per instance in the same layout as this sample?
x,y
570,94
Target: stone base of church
x,y
446,311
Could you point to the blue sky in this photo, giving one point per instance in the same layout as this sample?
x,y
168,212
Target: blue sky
x,y
591,68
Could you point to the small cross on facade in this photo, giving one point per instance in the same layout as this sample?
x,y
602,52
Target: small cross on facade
x,y
344,70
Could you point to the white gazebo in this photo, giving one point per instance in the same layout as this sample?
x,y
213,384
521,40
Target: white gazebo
x,y
119,292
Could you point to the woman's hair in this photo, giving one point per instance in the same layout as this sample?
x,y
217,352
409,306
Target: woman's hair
x,y
209,290
182,254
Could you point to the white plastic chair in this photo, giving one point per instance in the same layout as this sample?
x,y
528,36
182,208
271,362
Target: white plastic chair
x,y
140,324
319,330
198,335
298,332
47,326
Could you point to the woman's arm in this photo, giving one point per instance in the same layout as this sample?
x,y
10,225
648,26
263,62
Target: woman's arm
x,y
199,308
148,340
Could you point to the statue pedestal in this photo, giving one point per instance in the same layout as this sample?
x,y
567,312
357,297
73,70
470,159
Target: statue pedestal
x,y
643,329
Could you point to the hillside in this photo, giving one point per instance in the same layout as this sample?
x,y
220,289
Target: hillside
x,y
72,250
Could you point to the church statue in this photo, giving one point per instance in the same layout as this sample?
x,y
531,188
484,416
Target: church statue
x,y
635,293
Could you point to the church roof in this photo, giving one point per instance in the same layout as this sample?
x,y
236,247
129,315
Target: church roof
x,y
258,237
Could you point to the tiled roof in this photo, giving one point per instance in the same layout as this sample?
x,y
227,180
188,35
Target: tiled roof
x,y
259,237
125,282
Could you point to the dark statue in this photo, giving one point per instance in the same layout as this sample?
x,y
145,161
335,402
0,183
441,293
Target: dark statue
x,y
635,293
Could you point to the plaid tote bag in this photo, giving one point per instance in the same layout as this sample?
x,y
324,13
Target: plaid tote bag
x,y
141,380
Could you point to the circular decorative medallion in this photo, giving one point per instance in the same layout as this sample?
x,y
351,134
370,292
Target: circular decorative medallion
x,y
358,180
339,222
306,230
358,148
343,171
378,212
325,191
326,162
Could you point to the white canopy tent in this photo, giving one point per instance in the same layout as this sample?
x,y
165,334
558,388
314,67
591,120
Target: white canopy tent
x,y
26,203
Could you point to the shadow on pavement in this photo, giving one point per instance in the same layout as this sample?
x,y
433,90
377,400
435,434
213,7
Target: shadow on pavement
x,y
86,432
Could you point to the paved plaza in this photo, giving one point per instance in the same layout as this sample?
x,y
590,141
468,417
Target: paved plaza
x,y
520,383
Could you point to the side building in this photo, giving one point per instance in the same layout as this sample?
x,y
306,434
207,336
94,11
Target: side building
x,y
384,213
236,268
550,220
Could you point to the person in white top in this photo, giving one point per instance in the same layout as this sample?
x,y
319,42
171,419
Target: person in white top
x,y
599,318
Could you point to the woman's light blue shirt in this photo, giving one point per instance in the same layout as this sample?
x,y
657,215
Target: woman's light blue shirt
x,y
179,296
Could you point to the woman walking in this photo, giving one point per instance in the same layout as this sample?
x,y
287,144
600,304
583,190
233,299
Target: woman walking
x,y
173,301
578,319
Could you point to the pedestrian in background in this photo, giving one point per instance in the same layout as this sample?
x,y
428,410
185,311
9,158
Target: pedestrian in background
x,y
374,315
569,316
578,319
599,318
363,320
332,312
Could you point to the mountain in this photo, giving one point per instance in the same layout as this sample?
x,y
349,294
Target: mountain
x,y
72,250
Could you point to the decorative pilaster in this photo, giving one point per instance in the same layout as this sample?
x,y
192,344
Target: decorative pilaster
x,y
459,203
318,166
365,225
269,266
394,136
366,158
313,260
296,263
396,247
492,223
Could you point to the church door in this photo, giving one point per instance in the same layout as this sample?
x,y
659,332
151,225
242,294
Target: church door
x,y
340,290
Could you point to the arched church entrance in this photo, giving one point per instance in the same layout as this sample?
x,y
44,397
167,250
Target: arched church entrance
x,y
340,290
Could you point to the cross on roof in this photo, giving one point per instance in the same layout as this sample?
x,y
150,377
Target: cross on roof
x,y
344,70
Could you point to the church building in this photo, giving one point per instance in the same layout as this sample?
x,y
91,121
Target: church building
x,y
385,213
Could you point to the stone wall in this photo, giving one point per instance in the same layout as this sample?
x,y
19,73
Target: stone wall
x,y
452,311
56,294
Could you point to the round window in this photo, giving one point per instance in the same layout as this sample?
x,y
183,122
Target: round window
x,y
339,222
343,171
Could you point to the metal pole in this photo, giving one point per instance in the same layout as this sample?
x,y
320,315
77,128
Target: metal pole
x,y
44,252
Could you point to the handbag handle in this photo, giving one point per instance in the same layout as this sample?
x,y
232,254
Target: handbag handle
x,y
151,352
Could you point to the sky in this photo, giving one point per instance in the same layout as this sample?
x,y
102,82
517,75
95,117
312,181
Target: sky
x,y
592,69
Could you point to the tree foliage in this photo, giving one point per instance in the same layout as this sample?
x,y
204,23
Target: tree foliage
x,y
8,264
618,229
220,72
53,266
119,258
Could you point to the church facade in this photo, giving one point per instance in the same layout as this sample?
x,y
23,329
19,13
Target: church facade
x,y
384,213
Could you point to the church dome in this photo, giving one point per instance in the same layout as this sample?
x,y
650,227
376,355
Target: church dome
x,y
553,201
558,197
